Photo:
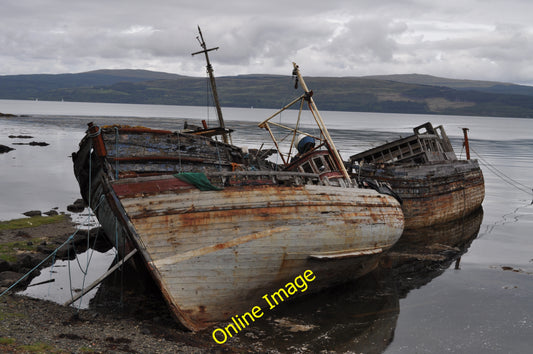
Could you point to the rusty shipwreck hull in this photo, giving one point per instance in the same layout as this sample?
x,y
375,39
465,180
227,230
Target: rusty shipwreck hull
x,y
423,170
215,253
434,192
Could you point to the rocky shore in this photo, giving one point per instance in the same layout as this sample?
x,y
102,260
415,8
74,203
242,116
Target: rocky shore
x,y
139,323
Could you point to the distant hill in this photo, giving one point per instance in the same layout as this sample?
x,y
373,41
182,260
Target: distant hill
x,y
42,85
390,93
475,85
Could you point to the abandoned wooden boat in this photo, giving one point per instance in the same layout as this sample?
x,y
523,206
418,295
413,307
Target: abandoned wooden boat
x,y
423,170
219,228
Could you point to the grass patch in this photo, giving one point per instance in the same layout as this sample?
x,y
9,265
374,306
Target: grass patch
x,y
31,222
6,340
7,315
9,250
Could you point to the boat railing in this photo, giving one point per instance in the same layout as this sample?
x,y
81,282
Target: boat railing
x,y
429,144
263,177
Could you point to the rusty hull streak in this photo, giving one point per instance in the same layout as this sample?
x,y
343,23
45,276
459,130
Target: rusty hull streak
x,y
128,190
205,250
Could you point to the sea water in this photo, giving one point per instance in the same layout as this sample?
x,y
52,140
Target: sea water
x,y
485,306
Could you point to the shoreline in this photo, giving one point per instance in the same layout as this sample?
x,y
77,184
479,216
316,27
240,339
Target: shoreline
x,y
28,324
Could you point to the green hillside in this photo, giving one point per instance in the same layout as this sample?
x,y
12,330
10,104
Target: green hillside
x,y
393,93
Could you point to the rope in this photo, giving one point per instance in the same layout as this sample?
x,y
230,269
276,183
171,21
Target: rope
x,y
516,184
41,263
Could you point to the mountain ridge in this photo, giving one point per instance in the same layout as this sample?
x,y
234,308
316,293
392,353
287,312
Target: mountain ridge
x,y
401,93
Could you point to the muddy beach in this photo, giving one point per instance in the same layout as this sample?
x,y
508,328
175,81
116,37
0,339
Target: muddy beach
x,y
29,324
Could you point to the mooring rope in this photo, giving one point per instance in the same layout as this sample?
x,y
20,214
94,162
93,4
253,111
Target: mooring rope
x,y
516,184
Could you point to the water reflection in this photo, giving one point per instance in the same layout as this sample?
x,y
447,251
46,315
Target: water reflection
x,y
75,266
423,254
361,316
358,317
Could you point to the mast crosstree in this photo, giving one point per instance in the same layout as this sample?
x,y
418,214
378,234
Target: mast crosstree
x,y
201,40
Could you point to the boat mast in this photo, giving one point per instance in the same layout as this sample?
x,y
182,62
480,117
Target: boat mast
x,y
200,39
320,122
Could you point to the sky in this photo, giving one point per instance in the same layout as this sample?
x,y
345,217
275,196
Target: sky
x,y
462,39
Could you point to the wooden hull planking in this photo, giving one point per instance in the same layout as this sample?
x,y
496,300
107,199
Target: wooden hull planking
x,y
209,246
434,192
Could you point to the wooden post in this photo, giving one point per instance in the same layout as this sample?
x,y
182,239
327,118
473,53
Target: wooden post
x,y
467,147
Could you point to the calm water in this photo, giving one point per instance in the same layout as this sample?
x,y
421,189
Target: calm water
x,y
485,306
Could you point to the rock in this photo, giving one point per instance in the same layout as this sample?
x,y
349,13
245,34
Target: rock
x,y
33,143
33,213
66,252
22,234
51,213
77,207
4,149
4,265
38,143
20,137
8,278
26,261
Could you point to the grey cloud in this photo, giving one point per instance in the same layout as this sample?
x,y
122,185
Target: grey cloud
x,y
467,39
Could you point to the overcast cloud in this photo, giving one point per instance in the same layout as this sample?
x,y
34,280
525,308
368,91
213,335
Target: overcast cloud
x,y
471,39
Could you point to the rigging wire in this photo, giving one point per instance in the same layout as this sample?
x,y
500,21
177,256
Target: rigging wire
x,y
516,184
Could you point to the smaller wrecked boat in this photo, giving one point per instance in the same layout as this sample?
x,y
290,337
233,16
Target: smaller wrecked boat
x,y
424,171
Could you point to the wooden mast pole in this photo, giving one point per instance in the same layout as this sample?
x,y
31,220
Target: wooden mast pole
x,y
321,125
212,80
465,143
